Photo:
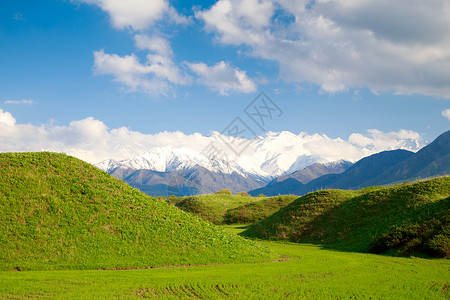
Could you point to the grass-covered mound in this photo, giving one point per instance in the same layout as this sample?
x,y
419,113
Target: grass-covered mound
x,y
352,220
256,211
57,212
214,207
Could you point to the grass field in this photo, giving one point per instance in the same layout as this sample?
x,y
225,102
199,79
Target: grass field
x,y
305,272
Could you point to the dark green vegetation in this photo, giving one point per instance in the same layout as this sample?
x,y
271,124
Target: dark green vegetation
x,y
306,272
431,237
352,220
57,212
258,210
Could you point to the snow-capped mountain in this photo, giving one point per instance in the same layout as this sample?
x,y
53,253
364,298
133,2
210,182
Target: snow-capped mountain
x,y
257,162
167,159
270,156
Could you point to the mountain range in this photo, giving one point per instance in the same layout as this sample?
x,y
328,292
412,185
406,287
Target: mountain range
x,y
386,167
272,159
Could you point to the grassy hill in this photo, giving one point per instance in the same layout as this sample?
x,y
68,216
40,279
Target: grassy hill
x,y
352,220
212,207
57,212
256,211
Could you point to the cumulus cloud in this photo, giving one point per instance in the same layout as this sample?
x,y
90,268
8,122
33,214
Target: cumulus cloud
x,y
446,113
159,71
153,43
23,101
223,78
6,118
154,76
91,140
137,14
401,46
238,22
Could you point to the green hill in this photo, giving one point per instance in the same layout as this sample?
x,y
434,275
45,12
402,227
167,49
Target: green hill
x,y
256,211
212,207
353,220
57,212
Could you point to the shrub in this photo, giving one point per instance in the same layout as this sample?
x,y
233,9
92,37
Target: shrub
x,y
431,237
223,192
243,194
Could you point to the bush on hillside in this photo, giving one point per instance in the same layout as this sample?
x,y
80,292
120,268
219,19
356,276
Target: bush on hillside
x,y
223,192
431,237
243,194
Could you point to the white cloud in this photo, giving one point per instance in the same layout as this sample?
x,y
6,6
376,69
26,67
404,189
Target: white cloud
x,y
238,22
401,46
23,101
379,141
153,43
152,77
6,118
159,71
223,78
91,140
137,14
446,113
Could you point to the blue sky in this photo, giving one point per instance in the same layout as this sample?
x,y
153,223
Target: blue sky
x,y
337,67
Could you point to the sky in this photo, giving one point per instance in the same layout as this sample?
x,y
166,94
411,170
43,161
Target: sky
x,y
75,73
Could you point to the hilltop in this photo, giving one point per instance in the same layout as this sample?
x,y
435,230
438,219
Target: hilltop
x,y
57,212
354,220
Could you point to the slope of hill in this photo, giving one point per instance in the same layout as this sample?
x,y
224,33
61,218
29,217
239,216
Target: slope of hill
x,y
212,207
58,212
351,220
258,210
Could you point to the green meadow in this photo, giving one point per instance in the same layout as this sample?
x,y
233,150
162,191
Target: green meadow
x,y
302,272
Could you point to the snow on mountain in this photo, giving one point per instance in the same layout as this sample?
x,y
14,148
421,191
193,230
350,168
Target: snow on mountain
x,y
167,159
269,156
